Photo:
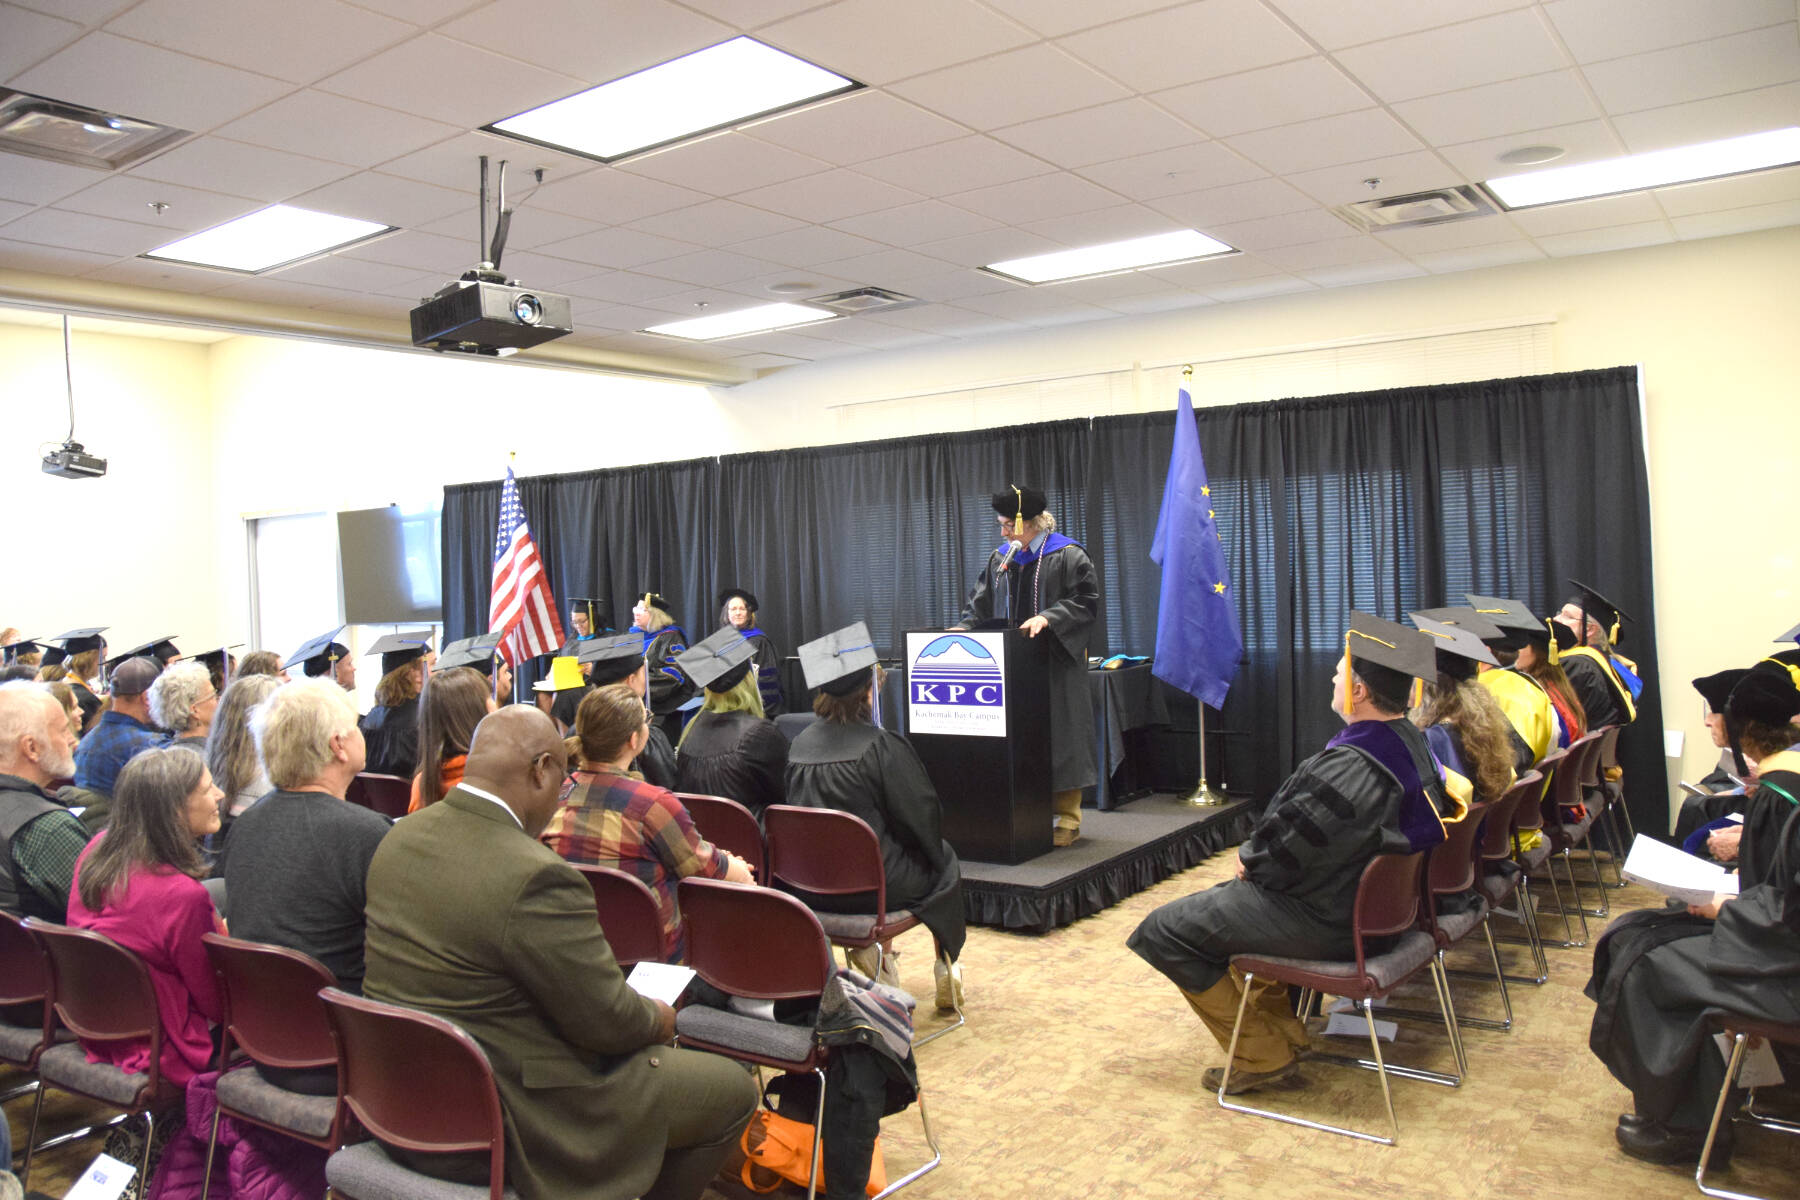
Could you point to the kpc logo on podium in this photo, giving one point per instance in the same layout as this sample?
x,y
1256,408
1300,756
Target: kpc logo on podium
x,y
956,684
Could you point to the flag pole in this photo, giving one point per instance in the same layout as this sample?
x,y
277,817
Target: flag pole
x,y
1204,794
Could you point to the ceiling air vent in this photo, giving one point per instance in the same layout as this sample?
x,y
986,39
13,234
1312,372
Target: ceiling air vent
x,y
862,300
1434,207
82,137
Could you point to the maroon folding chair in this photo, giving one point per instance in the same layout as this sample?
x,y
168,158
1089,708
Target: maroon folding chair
x,y
417,1082
1499,885
730,826
764,945
1566,836
1610,796
1389,903
1455,870
273,1014
24,983
389,795
629,916
1741,1029
101,992
1528,818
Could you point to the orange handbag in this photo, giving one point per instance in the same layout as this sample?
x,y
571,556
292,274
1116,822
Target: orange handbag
x,y
778,1148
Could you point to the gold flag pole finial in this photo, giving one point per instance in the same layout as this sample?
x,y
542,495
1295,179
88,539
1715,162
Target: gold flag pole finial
x,y
1187,372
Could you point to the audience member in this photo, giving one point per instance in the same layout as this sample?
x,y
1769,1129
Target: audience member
x,y
520,963
83,667
454,703
738,610
40,839
730,748
609,818
182,701
621,660
1726,794
123,731
391,728
262,662
231,751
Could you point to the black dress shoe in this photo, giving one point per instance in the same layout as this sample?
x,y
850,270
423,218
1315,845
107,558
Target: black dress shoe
x,y
1633,1121
1655,1142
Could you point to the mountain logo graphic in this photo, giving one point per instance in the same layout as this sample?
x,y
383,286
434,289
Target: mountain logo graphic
x,y
956,671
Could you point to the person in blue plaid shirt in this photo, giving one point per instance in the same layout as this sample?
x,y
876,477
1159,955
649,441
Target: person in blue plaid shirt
x,y
122,731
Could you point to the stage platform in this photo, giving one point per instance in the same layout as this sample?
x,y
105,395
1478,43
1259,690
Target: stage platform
x,y
1120,853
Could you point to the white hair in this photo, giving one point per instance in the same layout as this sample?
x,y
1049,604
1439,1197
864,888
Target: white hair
x,y
175,693
294,727
20,719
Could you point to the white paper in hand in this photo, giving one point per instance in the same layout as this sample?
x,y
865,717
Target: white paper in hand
x,y
660,981
105,1178
1675,873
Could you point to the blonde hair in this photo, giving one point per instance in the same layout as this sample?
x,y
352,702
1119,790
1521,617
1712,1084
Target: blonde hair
x,y
655,619
294,728
742,696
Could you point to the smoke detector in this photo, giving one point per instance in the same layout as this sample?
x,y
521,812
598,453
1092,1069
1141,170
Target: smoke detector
x,y
1434,207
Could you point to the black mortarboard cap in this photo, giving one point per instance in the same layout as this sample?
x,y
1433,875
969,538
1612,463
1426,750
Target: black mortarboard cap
x,y
840,661
1013,501
1792,635
1598,607
1386,644
162,649
718,662
1766,694
1716,689
1458,647
599,612
656,600
1516,621
1787,658
1467,618
318,655
76,641
612,658
398,649
12,650
749,598
476,652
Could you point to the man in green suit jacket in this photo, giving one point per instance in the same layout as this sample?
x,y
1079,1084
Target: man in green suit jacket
x,y
472,919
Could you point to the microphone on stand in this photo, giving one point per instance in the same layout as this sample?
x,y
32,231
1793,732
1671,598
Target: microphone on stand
x,y
1012,548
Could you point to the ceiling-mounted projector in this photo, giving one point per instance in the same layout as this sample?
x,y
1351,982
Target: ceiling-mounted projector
x,y
488,316
73,461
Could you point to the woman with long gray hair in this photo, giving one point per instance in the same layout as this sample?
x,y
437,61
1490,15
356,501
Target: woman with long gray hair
x,y
231,750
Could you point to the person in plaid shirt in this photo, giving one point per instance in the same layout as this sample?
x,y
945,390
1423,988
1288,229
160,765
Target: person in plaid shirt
x,y
610,817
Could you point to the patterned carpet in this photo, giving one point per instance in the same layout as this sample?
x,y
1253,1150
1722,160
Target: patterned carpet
x,y
1078,1076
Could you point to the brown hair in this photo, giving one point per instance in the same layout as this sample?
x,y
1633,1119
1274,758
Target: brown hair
x,y
606,721
53,672
852,709
453,705
1760,739
400,686
230,747
1556,681
1481,729
149,826
260,662
85,663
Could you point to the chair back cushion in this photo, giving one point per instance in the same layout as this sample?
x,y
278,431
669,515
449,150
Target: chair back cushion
x,y
753,941
23,979
272,1006
1453,863
1496,836
629,916
1387,900
101,990
729,825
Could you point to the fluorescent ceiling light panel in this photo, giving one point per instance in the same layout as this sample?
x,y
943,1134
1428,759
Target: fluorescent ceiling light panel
x,y
760,319
1132,254
277,236
715,88
1658,168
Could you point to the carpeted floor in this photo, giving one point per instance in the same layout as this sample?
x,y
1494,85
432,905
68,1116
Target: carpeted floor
x,y
1078,1076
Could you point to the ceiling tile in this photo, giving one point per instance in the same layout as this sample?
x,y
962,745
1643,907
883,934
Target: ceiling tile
x,y
1318,256
1444,60
1451,235
1048,304
885,267
571,37
273,289
79,231
1053,18
1399,174
1195,41
724,165
316,36
1210,274
168,277
1359,273
715,223
428,252
1599,241
1144,303
446,80
1587,214
930,318
136,80
859,332
1325,142
1278,95
957,166
809,246
1709,120
426,12
989,246
1287,229
913,223
1260,289
1110,289
951,285
51,260
1020,85
1035,199
708,267
372,196
322,125
1693,72
615,317
240,169
619,248
455,163
1534,102
818,283
1737,220
31,36
1102,225
1475,258
1335,24
531,226
362,275
414,287
1099,134
1172,172
1238,202
622,287
611,195
370,306
1595,30
128,198
877,41
1739,191
855,128
748,14
829,196
10,210
1584,141
764,362
87,12
538,269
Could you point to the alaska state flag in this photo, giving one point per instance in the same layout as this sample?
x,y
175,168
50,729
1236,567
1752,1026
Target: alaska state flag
x,y
1198,642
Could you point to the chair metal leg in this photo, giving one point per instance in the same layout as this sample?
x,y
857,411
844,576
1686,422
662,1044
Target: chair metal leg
x,y
818,1140
1765,1120
143,1176
23,1089
1615,833
37,1108
1387,1091
1569,942
1452,1025
212,1147
937,1156
1712,1131
1487,927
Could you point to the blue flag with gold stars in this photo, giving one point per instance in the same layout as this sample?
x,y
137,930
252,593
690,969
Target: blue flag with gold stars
x,y
1198,641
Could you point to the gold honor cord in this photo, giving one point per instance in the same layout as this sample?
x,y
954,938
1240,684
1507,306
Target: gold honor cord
x,y
1349,663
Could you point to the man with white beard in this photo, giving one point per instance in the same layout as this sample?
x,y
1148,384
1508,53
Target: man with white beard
x,y
39,838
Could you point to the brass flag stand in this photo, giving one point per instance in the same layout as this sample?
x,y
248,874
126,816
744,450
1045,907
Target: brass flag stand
x,y
1204,794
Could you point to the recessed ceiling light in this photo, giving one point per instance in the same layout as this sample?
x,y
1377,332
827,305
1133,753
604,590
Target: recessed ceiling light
x,y
1133,254
793,287
1530,156
1658,168
759,319
271,238
715,88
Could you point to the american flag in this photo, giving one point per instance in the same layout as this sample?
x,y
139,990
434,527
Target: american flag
x,y
521,608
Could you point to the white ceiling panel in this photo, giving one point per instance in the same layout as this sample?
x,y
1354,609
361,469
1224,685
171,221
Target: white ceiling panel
x,y
1348,137
716,223
1053,18
87,12
709,268
137,80
1213,273
361,275
1761,58
1035,199
1358,273
426,12
424,252
1318,256
534,269
30,36
748,14
619,248
1100,134
80,231
989,246
622,287
855,128
1261,289
531,227
724,165
10,210
1238,202
1582,142
1336,24
613,196
128,198
830,196
957,166
35,181
372,196
1476,258
592,43
1173,172
1102,225
1287,229
321,125
456,163
1710,120
809,246
1553,219
275,290
448,80
1399,175
240,169
1600,241
1451,235
1144,303
52,260
317,36
878,41
818,283
1195,41
911,223
1741,191
887,267
1487,50
1737,220
147,272
1595,30
952,285
1047,305
1537,101
1020,85
1278,95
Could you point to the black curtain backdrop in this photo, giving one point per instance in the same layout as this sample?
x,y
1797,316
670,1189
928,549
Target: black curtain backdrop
x,y
1380,501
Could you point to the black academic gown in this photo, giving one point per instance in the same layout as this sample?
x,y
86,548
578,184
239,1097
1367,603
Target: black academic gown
x,y
392,737
1660,975
1602,697
736,755
657,763
670,687
876,775
1061,585
767,665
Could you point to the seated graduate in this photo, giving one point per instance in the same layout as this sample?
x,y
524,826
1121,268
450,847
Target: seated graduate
x,y
1660,974
481,653
1545,665
325,655
737,610
846,762
1595,623
1374,789
80,652
261,662
730,748
454,702
182,701
16,650
661,640
1462,724
391,729
612,818
620,659
221,666
1725,793
1520,696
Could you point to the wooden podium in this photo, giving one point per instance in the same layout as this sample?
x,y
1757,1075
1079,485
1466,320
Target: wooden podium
x,y
994,786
